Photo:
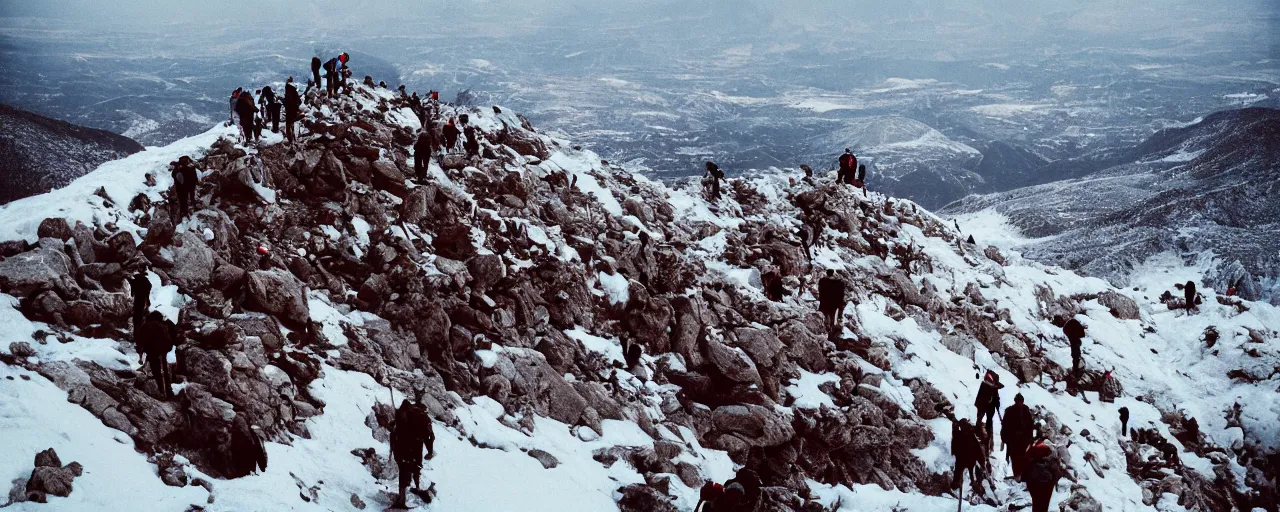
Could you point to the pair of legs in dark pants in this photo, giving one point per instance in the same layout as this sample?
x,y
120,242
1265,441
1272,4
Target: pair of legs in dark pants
x,y
160,372
1018,458
273,112
1040,495
409,474
420,163
990,414
1076,366
250,131
832,316
289,119
186,198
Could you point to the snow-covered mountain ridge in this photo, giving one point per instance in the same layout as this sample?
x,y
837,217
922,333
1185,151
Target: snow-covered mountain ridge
x,y
512,283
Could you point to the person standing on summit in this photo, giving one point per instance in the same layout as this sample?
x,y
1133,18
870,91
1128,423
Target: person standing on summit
x,y
715,175
333,72
315,73
848,167
292,109
270,106
235,99
246,110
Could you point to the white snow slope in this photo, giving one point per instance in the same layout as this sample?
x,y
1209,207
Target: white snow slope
x,y
1158,358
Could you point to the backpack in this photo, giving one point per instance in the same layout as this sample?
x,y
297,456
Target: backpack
x,y
846,161
1038,472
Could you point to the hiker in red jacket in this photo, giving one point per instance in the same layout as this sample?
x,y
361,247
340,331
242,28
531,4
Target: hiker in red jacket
x,y
1041,475
848,167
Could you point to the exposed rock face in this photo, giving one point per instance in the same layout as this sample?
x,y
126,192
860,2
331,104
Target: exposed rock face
x,y
38,153
493,278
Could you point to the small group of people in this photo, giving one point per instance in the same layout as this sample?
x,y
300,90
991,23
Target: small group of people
x,y
441,139
741,493
851,172
153,334
254,116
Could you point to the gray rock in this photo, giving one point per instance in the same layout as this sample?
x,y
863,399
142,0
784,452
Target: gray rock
x,y
192,262
548,461
33,271
280,293
733,363
54,227
1121,307
755,425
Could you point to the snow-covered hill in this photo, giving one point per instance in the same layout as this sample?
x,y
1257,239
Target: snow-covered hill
x,y
509,284
38,153
1204,191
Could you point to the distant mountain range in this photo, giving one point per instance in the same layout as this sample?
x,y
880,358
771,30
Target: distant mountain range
x,y
1210,187
38,153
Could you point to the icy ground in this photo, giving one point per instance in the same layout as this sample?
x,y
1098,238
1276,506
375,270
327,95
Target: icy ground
x,y
1159,357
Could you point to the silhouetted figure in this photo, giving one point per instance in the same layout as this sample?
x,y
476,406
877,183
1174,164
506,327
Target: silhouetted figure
x,y
472,145
1016,432
966,446
141,287
831,301
315,73
451,133
246,110
270,105
154,341
411,433
806,241
988,400
1124,421
1075,331
1189,291
1041,475
715,174
421,155
185,181
292,109
848,166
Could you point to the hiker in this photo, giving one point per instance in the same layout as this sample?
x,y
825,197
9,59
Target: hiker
x,y
271,108
246,110
331,69
808,172
422,155
859,179
988,400
1015,433
154,341
715,174
966,446
292,109
707,496
141,287
1124,420
451,133
806,241
773,289
1041,475
410,434
848,164
831,301
185,181
246,450
1074,330
415,104
315,74
472,145
235,99
1189,291
741,493
632,355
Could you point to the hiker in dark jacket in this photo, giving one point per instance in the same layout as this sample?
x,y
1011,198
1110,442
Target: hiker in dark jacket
x,y
1074,330
806,241
271,107
247,452
1015,433
1189,291
185,181
988,400
331,70
451,133
472,145
235,100
154,341
848,165
773,288
292,109
741,493
966,446
411,433
141,287
246,110
1041,475
315,73
715,174
831,301
422,155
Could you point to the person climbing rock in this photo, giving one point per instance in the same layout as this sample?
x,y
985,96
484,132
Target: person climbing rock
x,y
235,100
966,446
1015,433
246,110
451,133
741,493
315,73
988,400
247,452
472,145
1074,331
714,174
270,106
292,109
1041,475
141,287
831,301
848,166
1189,292
410,434
185,181
1124,421
154,341
422,155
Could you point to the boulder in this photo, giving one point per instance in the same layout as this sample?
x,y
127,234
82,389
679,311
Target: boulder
x,y
192,262
733,363
387,177
643,498
33,271
1121,307
51,478
486,270
761,344
280,293
54,227
756,425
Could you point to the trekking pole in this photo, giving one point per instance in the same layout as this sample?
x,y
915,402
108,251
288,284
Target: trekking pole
x,y
960,495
